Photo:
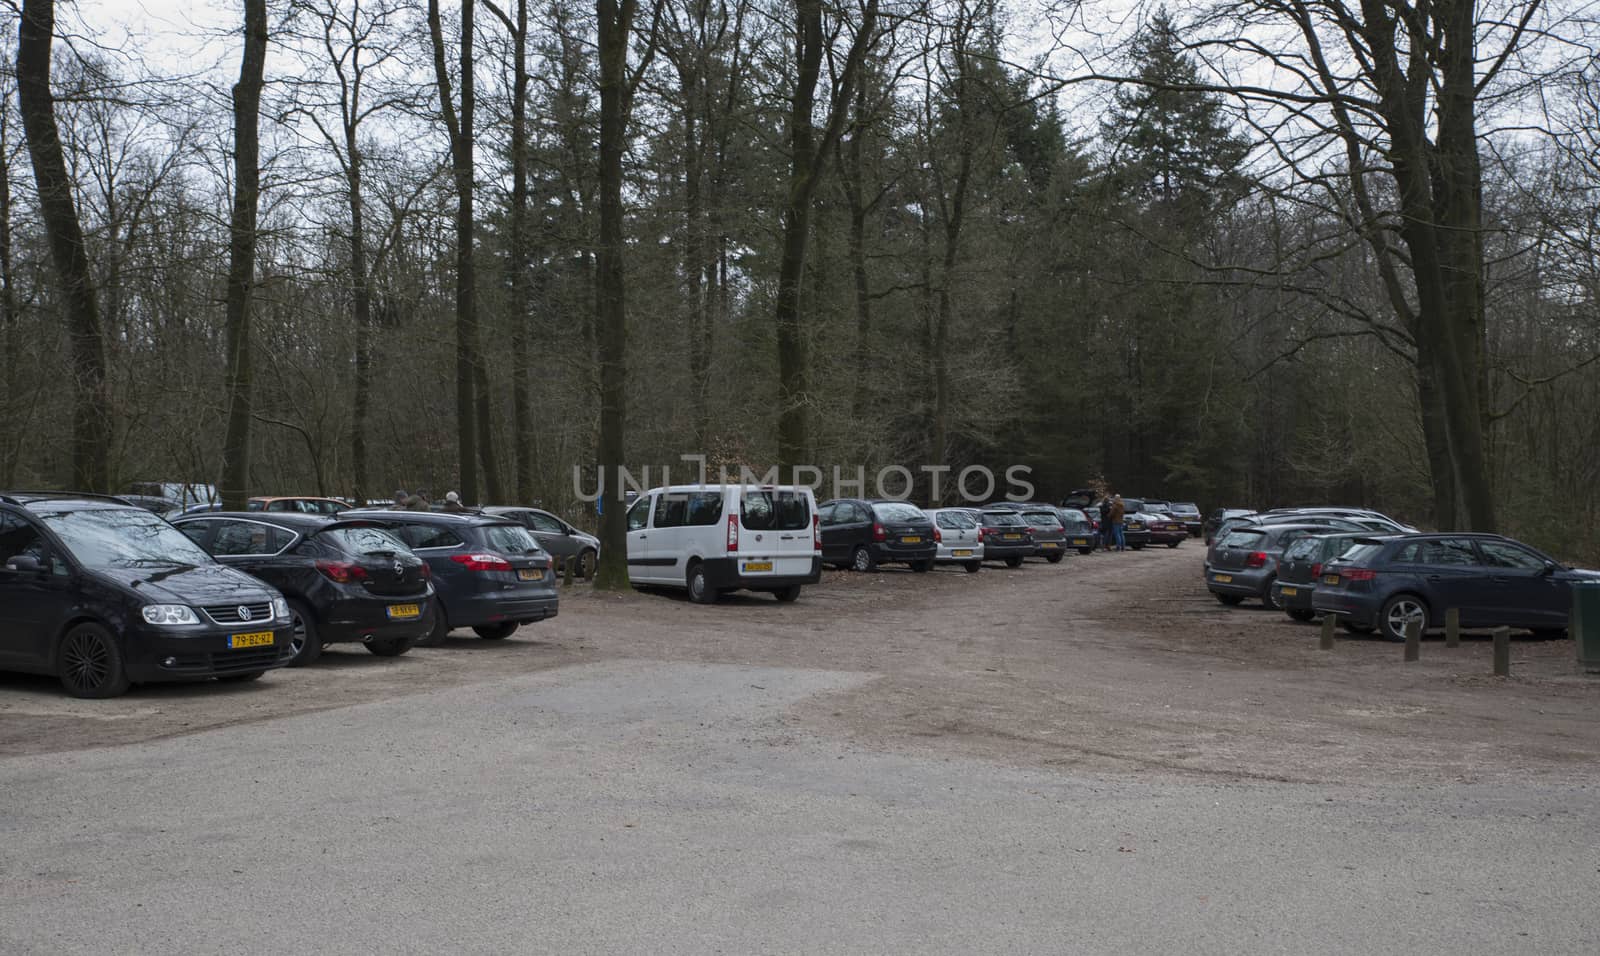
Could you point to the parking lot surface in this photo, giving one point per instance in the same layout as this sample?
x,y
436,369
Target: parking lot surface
x,y
1091,757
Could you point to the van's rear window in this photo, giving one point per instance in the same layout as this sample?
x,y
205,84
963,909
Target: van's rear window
x,y
774,511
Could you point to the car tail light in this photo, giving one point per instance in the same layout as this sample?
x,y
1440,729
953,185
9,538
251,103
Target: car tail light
x,y
481,562
980,535
733,532
342,572
1316,570
1360,574
878,534
816,532
1257,559
938,536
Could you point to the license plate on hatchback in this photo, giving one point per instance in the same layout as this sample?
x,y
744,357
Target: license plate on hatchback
x,y
911,539
755,566
404,612
530,574
962,552
1222,578
1048,544
1012,537
1330,579
1291,592
253,639
1081,542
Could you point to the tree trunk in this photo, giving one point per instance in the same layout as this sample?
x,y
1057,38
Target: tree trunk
x,y
361,293
91,411
522,423
689,79
9,316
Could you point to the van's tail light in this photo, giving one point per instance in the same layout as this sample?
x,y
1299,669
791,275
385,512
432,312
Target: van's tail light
x,y
733,532
342,572
816,532
878,534
1316,570
938,537
481,562
1257,559
1359,574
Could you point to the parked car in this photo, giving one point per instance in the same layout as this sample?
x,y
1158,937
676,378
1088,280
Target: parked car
x,y
1158,506
1080,529
710,539
1163,528
556,536
1006,537
1049,534
1244,564
861,534
960,538
1375,521
298,505
1329,524
346,581
1300,567
1214,521
1189,514
488,572
185,493
152,503
1135,524
1492,581
1081,498
102,595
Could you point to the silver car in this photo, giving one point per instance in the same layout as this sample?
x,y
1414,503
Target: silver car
x,y
960,538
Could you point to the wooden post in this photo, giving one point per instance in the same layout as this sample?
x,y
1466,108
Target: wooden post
x,y
1502,652
566,571
1329,622
1452,627
1413,640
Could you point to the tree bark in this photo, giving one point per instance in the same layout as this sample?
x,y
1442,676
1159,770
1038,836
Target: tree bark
x,y
9,314
521,410
91,411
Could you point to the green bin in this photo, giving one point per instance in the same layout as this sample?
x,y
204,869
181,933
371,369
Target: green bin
x,y
1586,623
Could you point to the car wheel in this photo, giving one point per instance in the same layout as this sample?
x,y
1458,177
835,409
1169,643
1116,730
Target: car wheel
x,y
922,567
1231,600
1085,550
390,646
1302,615
89,663
1014,561
862,560
973,567
586,559
1268,599
1355,628
1173,544
496,632
440,630
305,640
700,589
787,595
1054,558
1398,611
244,678
1137,547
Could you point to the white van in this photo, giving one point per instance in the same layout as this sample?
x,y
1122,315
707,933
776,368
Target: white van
x,y
714,538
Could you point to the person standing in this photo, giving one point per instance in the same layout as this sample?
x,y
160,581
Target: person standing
x,y
1107,539
452,502
419,502
1118,512
400,500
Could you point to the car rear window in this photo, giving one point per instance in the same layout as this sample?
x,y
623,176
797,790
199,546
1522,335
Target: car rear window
x,y
1300,549
897,511
510,539
1361,553
1002,519
1042,519
365,540
774,511
955,520
1243,538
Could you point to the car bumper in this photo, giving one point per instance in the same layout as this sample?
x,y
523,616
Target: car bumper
x,y
999,552
1293,596
483,609
1196,528
1249,583
153,654
1043,548
1358,609
723,574
361,618
1132,538
884,554
948,555
1168,537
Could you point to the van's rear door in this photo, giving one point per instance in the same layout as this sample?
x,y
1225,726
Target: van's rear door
x,y
775,532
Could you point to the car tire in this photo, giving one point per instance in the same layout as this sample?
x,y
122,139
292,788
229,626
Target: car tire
x,y
788,595
1173,544
496,632
922,567
244,678
700,589
89,663
441,628
1268,599
1014,562
1355,628
1397,611
973,567
305,640
586,562
1231,600
861,559
390,646
1086,551
1302,615
1137,547
1054,558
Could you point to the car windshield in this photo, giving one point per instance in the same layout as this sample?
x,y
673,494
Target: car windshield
x,y
510,539
1132,505
1243,538
897,511
123,538
378,541
1002,519
1042,519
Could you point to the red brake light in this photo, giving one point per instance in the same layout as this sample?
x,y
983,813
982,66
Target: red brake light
x,y
481,562
1257,559
878,534
1316,570
342,572
816,532
733,532
1360,574
980,535
427,571
937,535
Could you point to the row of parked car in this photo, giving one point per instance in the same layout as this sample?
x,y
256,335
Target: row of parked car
x,y
1377,574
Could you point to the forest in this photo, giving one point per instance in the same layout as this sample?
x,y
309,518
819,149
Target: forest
x,y
1242,252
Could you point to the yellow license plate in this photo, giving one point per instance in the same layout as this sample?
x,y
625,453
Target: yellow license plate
x,y
1330,579
911,539
530,574
1222,578
1081,542
750,566
253,639
1013,537
1291,592
1048,544
962,552
404,612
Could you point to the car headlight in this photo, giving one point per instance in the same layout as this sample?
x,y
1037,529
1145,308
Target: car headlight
x,y
169,614
280,609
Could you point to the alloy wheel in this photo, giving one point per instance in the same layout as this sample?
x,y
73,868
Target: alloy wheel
x,y
1403,611
85,661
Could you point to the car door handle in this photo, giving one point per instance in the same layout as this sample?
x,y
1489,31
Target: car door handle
x,y
786,537
1497,580
643,536
1436,577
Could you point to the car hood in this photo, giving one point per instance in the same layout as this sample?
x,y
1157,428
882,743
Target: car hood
x,y
1580,574
185,584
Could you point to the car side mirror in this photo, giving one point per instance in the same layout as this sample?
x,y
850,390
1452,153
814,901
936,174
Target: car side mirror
x,y
25,563
1550,567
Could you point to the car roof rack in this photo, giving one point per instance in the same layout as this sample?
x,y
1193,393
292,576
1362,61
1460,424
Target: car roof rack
x,y
23,497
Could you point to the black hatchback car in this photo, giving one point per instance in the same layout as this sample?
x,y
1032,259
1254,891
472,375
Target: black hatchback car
x,y
1492,581
1300,566
489,573
345,581
861,534
103,594
1006,537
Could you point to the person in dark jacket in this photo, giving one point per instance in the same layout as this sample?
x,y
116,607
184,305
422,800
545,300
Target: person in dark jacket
x,y
452,502
1107,538
400,499
419,502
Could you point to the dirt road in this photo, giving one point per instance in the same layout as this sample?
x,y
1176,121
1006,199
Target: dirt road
x,y
1113,663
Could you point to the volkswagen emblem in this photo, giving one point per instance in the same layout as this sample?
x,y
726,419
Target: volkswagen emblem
x,y
244,613
399,568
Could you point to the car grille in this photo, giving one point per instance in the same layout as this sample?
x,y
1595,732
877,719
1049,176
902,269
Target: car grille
x,y
226,662
229,613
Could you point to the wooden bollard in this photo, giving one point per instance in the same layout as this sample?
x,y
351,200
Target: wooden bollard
x,y
1329,622
566,571
1413,640
1452,627
1502,652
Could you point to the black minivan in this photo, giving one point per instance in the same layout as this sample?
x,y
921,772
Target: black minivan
x,y
103,594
